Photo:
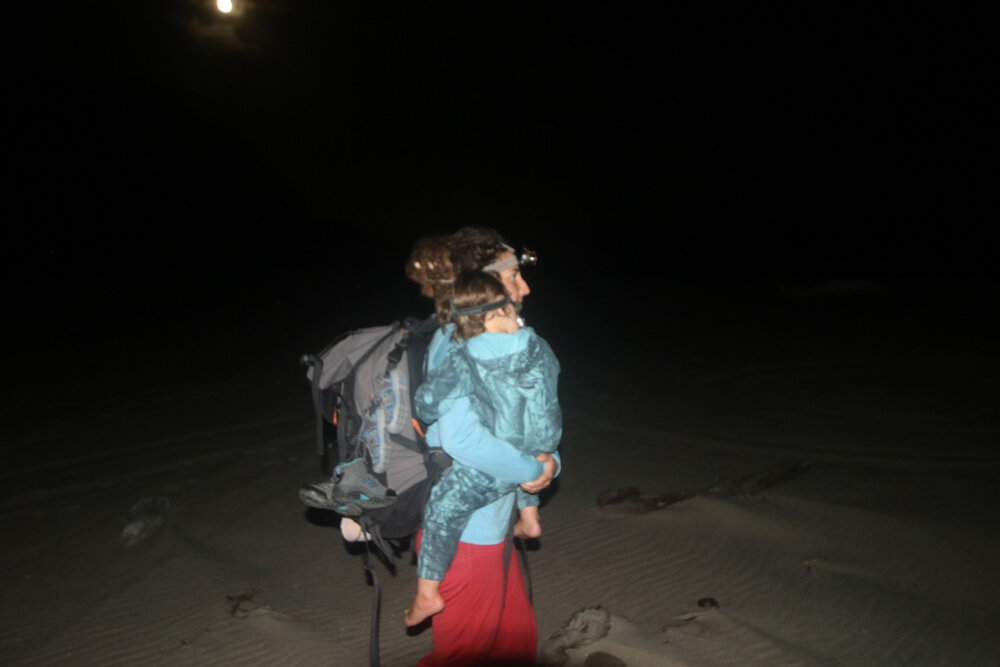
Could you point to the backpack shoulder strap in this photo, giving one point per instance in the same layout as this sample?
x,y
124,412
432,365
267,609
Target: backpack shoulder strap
x,y
316,365
418,340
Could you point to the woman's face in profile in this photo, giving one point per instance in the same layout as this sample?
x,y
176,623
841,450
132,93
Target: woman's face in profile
x,y
512,279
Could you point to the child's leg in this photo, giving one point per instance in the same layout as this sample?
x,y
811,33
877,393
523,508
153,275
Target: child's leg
x,y
451,503
528,524
454,498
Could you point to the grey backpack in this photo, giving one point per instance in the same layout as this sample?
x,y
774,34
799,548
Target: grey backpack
x,y
362,389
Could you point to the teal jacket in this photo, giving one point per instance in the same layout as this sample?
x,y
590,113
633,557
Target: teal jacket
x,y
460,431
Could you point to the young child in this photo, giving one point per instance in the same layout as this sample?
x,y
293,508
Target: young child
x,y
509,375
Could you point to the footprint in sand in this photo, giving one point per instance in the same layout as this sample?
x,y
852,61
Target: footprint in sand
x,y
602,659
145,519
584,627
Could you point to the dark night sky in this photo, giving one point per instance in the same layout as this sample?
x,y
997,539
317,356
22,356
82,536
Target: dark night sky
x,y
172,161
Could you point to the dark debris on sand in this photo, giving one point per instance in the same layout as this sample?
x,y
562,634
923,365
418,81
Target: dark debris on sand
x,y
629,500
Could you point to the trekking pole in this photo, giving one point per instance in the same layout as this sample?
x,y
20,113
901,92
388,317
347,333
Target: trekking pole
x,y
316,365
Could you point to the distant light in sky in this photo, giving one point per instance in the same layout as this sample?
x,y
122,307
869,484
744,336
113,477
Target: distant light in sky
x,y
225,6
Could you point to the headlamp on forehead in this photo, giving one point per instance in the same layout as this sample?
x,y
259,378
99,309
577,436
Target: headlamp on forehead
x,y
524,258
527,257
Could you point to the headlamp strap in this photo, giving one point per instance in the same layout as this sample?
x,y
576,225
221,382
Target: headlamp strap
x,y
480,309
526,258
497,267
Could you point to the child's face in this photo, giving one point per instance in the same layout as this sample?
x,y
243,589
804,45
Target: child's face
x,y
503,320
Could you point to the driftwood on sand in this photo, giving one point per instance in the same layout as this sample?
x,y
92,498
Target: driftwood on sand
x,y
629,500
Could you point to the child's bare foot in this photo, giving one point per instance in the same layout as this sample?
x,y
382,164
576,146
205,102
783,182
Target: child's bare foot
x,y
424,606
531,531
529,523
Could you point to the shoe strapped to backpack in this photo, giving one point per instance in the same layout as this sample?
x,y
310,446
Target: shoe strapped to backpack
x,y
350,491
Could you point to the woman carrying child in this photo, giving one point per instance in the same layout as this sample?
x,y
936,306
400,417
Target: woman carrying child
x,y
486,615
509,374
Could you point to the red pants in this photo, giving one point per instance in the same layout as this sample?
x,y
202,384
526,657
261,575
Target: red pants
x,y
483,624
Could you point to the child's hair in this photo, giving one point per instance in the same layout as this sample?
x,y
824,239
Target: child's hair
x,y
474,289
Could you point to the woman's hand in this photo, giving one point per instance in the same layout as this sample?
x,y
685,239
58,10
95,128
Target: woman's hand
x,y
551,468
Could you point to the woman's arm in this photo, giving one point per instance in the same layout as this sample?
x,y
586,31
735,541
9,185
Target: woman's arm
x,y
467,441
552,465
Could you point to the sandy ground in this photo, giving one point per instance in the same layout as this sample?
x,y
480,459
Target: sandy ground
x,y
884,552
